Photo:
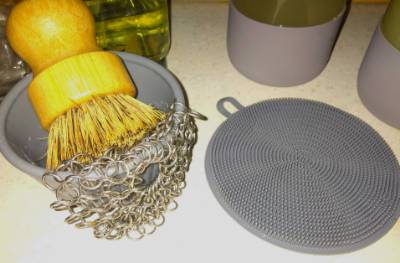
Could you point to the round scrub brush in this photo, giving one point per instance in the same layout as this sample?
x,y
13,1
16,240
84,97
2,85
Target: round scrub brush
x,y
82,95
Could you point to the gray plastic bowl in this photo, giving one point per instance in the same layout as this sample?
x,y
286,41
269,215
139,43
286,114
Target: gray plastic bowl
x,y
22,140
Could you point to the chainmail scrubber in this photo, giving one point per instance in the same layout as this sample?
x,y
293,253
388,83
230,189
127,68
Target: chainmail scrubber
x,y
126,192
304,175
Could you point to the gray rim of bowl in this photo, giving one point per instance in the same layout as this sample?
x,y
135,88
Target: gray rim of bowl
x,y
9,100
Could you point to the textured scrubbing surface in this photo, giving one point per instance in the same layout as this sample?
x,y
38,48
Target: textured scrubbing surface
x,y
305,176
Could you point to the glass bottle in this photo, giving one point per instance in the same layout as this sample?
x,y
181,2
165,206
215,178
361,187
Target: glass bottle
x,y
136,26
12,68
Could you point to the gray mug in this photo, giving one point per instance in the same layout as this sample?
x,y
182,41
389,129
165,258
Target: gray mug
x,y
269,52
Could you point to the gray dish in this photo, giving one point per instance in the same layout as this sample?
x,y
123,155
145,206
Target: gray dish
x,y
22,140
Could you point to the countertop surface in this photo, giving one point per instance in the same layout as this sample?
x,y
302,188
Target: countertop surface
x,y
200,230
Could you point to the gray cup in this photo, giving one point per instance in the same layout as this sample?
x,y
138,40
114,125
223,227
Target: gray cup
x,y
379,79
280,55
22,140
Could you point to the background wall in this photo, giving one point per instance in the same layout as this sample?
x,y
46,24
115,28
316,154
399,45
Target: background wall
x,y
356,1
371,1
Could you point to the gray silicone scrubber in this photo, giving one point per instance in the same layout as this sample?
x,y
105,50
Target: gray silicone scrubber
x,y
304,175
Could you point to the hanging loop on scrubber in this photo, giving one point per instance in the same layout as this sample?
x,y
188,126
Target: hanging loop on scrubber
x,y
223,110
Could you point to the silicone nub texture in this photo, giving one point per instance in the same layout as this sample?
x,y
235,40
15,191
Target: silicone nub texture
x,y
305,176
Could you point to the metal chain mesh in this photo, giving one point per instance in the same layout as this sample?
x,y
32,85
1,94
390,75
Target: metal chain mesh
x,y
126,192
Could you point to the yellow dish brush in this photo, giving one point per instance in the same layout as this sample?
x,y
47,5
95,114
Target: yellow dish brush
x,y
82,95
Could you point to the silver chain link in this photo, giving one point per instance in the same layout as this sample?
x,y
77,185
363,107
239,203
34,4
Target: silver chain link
x,y
126,192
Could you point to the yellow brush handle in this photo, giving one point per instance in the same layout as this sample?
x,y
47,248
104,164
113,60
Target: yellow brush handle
x,y
55,37
76,80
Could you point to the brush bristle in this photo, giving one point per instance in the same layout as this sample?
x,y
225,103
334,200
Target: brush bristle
x,y
93,127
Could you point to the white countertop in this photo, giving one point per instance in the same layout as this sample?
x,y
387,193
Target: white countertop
x,y
200,230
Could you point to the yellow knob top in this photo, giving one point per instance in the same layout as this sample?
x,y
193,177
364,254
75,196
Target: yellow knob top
x,y
44,32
